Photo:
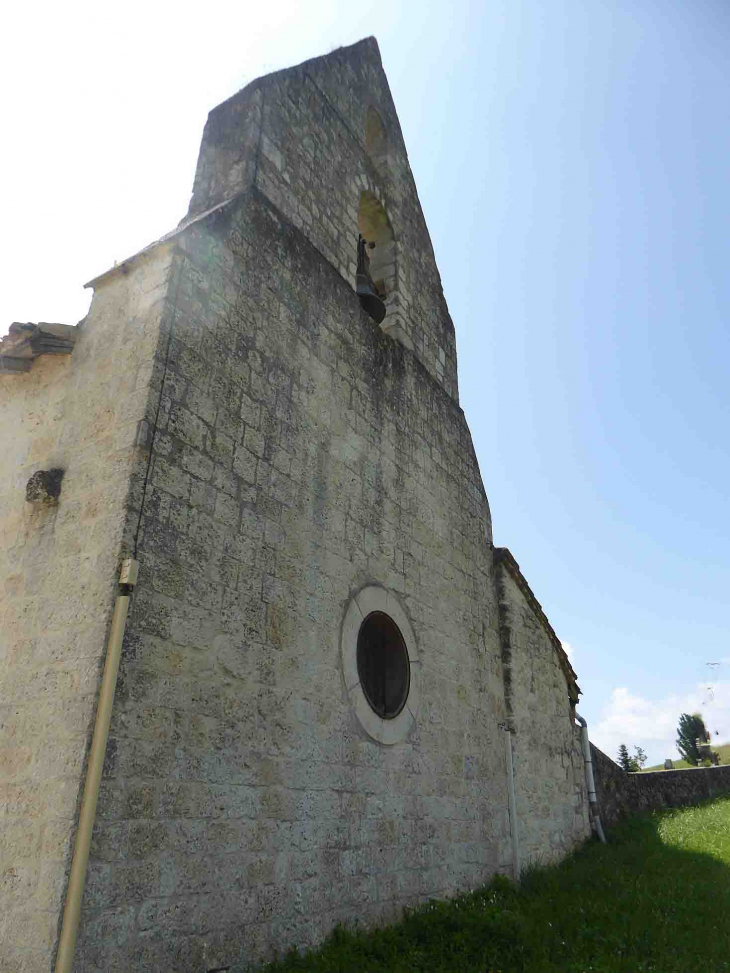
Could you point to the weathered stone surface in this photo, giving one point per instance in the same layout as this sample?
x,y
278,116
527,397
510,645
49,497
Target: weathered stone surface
x,y
44,486
292,464
268,452
24,342
304,138
301,454
540,695
58,562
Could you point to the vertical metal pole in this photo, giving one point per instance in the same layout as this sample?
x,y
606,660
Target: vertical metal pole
x,y
80,860
590,781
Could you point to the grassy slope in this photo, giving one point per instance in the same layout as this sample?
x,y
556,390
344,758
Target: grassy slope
x,y
657,897
723,749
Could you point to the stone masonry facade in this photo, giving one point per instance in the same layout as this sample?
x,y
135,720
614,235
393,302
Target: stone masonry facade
x,y
231,418
58,565
548,767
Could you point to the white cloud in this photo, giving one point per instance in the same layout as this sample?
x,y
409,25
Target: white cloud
x,y
569,651
652,723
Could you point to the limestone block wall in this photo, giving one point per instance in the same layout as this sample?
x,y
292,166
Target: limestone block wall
x,y
300,455
552,809
622,795
231,418
305,137
58,566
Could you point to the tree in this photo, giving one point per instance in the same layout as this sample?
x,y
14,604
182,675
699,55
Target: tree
x,y
690,727
624,760
639,758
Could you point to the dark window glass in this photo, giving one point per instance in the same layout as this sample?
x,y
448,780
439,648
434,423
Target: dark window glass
x,y
382,664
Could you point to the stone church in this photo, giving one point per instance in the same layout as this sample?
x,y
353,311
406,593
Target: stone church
x,y
263,670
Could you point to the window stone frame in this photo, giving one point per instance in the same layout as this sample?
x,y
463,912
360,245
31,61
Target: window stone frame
x,y
369,599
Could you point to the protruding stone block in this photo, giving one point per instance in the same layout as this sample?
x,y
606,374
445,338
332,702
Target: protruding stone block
x,y
44,486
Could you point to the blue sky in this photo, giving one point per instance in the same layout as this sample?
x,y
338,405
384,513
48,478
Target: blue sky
x,y
571,158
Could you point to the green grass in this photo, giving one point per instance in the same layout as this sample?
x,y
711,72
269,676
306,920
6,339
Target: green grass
x,y
657,897
723,749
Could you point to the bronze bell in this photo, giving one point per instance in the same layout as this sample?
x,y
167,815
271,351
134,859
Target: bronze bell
x,y
370,300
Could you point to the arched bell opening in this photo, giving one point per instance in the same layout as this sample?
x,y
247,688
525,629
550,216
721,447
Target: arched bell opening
x,y
374,226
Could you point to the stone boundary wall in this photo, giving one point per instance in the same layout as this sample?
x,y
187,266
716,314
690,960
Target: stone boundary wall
x,y
620,794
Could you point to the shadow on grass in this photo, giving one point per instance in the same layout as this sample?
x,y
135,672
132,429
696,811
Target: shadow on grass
x,y
649,900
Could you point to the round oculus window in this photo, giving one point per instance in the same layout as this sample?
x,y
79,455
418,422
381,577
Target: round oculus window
x,y
382,665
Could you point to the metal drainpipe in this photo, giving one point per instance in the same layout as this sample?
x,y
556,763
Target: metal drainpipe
x,y
590,782
514,838
80,860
